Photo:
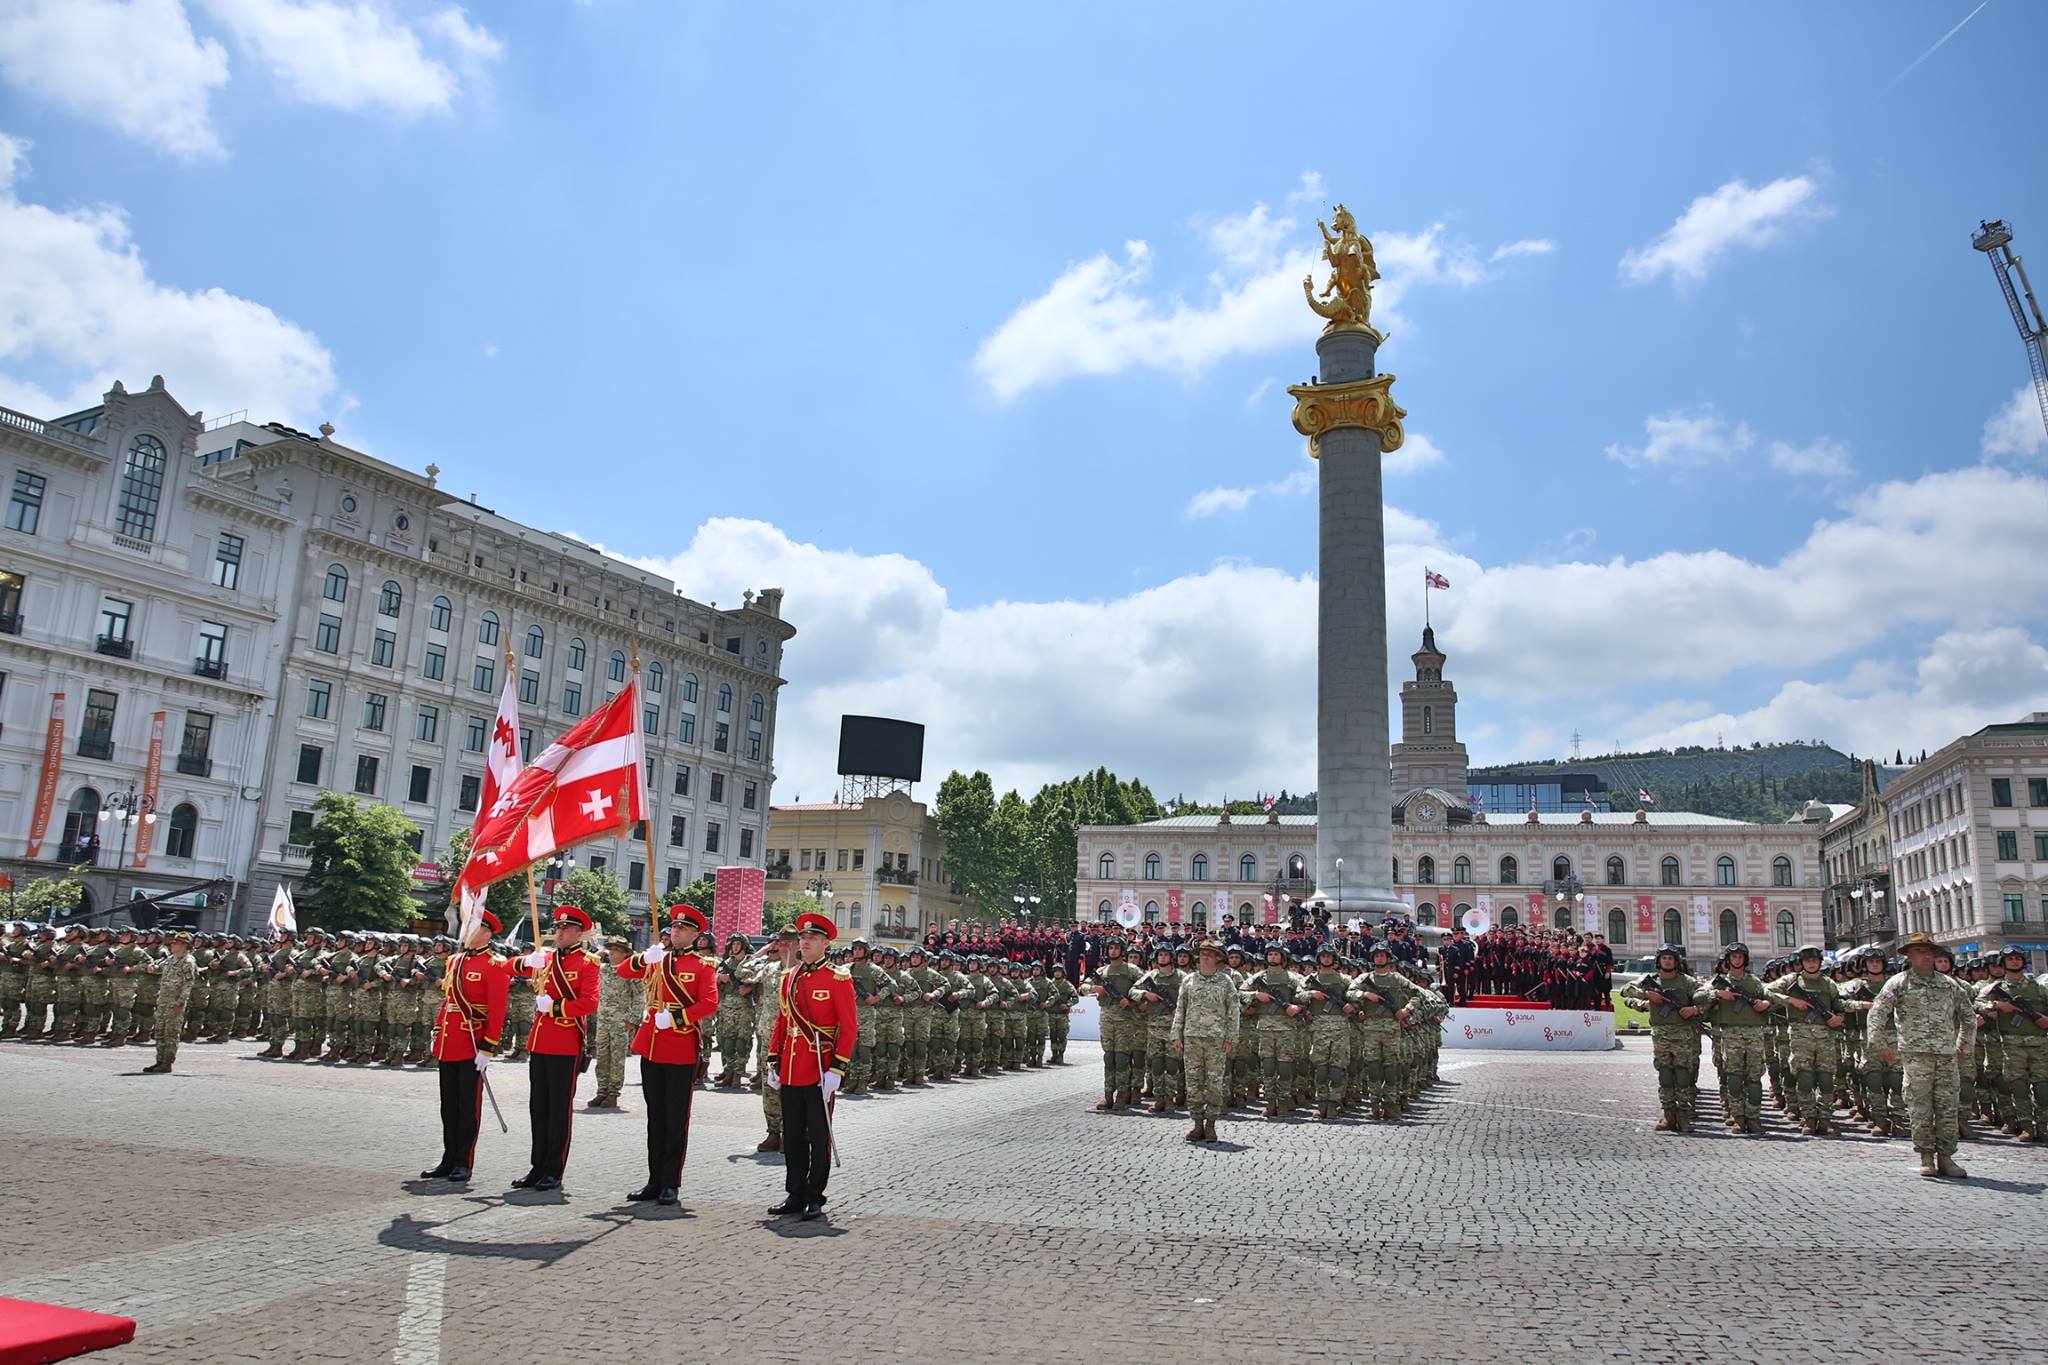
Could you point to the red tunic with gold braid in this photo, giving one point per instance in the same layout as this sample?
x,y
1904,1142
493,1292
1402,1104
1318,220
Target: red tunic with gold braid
x,y
818,1023
571,980
685,985
472,1014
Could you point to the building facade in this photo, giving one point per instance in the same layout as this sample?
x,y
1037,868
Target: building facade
x,y
361,621
1641,878
880,864
1856,855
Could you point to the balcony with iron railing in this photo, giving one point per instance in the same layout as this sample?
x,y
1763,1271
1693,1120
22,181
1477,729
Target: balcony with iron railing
x,y
116,646
210,668
896,876
10,623
195,765
85,856
92,745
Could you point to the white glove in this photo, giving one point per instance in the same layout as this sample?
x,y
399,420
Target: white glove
x,y
483,1062
774,1079
663,1019
654,954
543,1002
830,1085
537,959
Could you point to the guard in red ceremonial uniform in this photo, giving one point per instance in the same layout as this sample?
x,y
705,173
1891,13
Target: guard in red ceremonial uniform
x,y
682,991
467,1031
814,1037
565,985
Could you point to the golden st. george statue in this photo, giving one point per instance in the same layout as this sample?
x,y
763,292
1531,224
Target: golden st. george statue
x,y
1347,299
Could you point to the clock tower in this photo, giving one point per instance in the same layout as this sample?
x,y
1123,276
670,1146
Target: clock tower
x,y
1429,754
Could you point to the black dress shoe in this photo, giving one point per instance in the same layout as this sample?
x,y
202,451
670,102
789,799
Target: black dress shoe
x,y
437,1173
527,1181
457,1175
787,1206
669,1197
548,1182
813,1210
642,1195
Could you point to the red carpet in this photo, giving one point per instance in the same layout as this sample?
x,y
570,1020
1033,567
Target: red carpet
x,y
31,1333
1504,1002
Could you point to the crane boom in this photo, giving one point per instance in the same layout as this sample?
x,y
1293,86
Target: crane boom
x,y
1994,239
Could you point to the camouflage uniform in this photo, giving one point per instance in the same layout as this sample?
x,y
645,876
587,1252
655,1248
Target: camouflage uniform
x,y
2022,1048
146,984
1380,1034
14,954
309,999
1674,1041
1204,1027
434,967
236,968
70,1005
945,1040
977,1001
1739,1032
1933,1013
518,1012
1328,1011
1814,1051
42,985
1275,1033
125,967
887,1013
1165,981
917,1018
275,970
175,975
621,1005
737,1006
200,999
764,974
366,1007
1878,1081
1060,1015
337,1001
1123,1030
1037,1026
98,988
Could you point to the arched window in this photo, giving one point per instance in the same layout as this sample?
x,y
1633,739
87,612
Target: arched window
x,y
184,829
1560,868
1674,927
487,629
1296,868
1397,872
1510,870
1617,926
81,826
1105,867
336,587
654,679
1786,929
1561,918
1425,869
442,613
1724,871
725,696
1103,913
757,707
1425,914
1781,871
1151,867
1730,930
1667,871
853,916
1151,912
577,655
1244,913
390,598
1428,721
1617,872
689,687
142,488
1458,915
1461,871
616,669
1199,868
1509,918
1247,868
536,642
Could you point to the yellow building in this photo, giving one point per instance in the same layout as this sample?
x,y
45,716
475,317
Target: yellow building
x,y
880,863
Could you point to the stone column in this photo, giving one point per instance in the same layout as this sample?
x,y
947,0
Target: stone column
x,y
1351,420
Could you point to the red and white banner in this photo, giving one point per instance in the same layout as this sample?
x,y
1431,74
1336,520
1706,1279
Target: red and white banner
x,y
738,897
1443,909
1222,906
1536,920
1702,917
501,766
1530,1030
152,778
590,782
46,785
1589,921
1173,906
1646,917
1758,920
1272,910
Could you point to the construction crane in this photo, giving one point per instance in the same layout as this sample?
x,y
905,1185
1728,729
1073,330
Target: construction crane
x,y
1994,239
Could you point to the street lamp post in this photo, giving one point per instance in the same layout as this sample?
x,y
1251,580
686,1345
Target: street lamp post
x,y
1340,890
133,813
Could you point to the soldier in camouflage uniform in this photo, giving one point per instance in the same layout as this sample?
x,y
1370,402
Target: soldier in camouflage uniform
x,y
621,1005
764,972
945,1039
1426,1013
518,1007
996,1041
38,1023
975,1001
234,967
1817,1021
373,985
69,969
309,998
401,999
1017,1024
1273,995
1156,993
867,984
737,1005
1383,996
1059,1015
96,989
915,977
433,967
14,953
124,975
1244,1057
274,974
1036,1027
2015,1010
150,944
199,1000
175,975
1668,994
1122,1028
890,1009
1877,1082
1738,1008
337,1002
1325,1004
1205,1015
1933,1014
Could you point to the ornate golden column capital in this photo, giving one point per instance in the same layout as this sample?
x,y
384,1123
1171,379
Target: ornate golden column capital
x,y
1365,404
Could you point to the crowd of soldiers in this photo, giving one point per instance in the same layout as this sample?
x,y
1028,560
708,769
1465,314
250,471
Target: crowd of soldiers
x,y
1218,1026
1841,1035
1566,969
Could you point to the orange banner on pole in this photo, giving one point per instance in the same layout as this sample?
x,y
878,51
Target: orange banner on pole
x,y
46,786
152,772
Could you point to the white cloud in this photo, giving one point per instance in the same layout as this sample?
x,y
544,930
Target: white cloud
x,y
1101,316
132,65
78,309
2016,428
1679,439
1734,215
1533,246
1823,459
1417,453
361,55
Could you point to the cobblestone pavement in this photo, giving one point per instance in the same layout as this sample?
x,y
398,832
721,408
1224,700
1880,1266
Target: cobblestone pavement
x,y
251,1210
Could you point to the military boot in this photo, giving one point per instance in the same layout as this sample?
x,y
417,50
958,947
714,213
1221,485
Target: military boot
x,y
1669,1123
157,1069
274,1050
771,1143
1930,1167
1108,1103
1194,1134
1209,1130
1947,1166
1684,1119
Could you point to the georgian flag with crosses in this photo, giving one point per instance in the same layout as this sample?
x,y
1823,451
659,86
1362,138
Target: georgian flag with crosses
x,y
590,782
501,768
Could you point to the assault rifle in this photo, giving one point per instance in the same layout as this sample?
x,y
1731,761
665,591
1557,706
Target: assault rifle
x,y
1109,992
2028,1012
1820,1010
1168,993
1282,991
1671,1003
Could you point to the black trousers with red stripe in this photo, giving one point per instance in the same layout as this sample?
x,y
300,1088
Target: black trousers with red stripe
x,y
550,1102
462,1097
667,1087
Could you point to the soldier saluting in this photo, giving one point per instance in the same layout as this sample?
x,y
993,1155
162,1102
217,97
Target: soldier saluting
x,y
681,992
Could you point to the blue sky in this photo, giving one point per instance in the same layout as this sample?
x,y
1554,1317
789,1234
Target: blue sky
x,y
971,329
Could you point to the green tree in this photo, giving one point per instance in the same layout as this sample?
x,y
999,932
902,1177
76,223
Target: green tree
x,y
699,893
780,913
50,898
363,857
599,895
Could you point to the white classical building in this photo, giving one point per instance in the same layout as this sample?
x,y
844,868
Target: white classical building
x,y
312,619
1641,878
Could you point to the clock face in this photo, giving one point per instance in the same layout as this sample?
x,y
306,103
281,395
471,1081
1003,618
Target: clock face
x,y
1425,810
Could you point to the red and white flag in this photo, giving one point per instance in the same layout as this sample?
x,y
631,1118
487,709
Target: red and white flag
x,y
588,783
1432,578
1645,797
1271,802
501,767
